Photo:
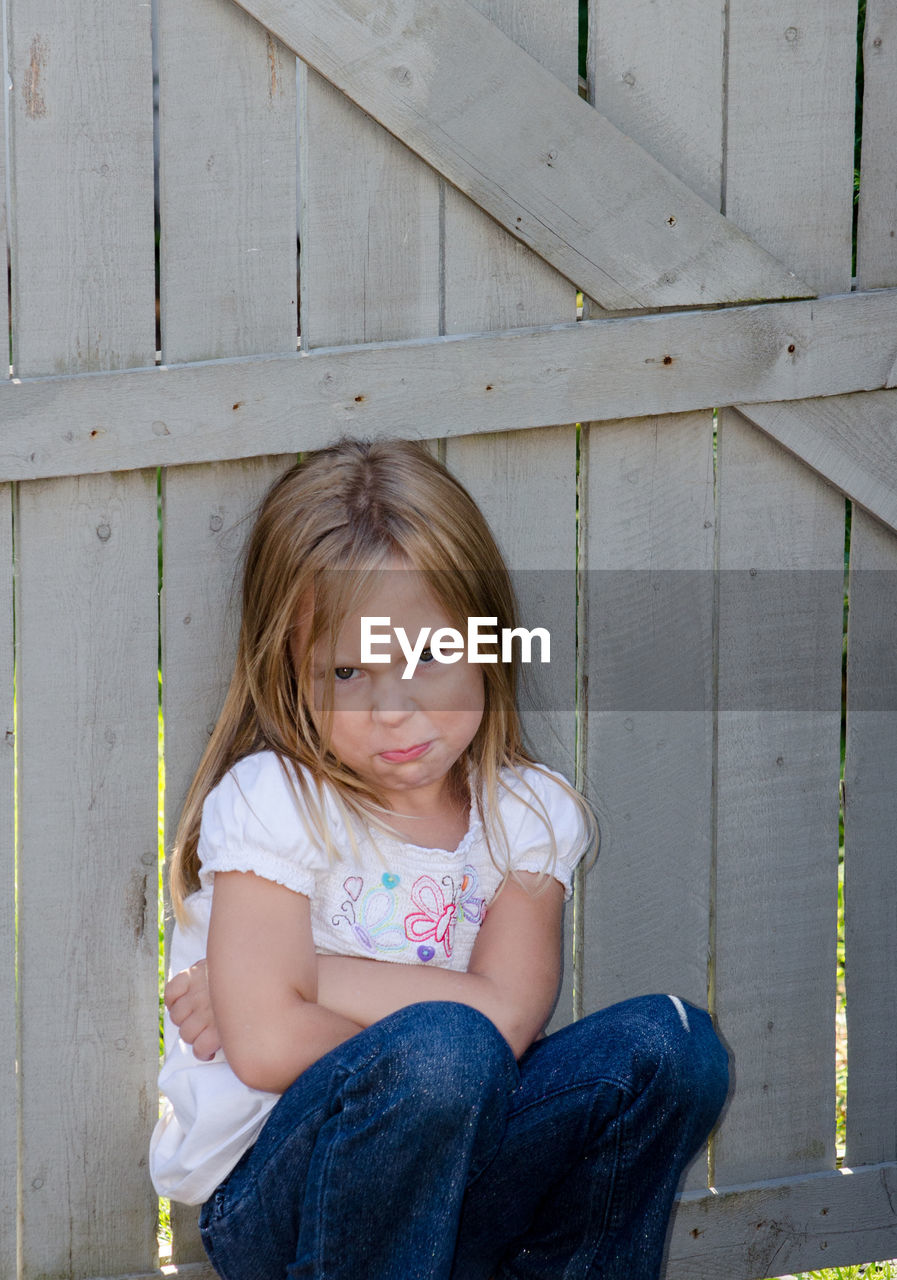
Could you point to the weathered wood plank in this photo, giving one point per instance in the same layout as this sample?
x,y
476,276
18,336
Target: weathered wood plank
x,y
870,820
81,146
649,556
789,164
72,74
656,71
228,288
781,546
86,687
595,370
877,217
766,1229
8,1019
649,600
850,440
545,165
227,184
369,227
869,790
790,133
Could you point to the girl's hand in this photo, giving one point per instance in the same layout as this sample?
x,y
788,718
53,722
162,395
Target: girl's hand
x,y
190,1007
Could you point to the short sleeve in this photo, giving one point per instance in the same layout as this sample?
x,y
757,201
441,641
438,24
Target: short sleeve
x,y
540,803
254,820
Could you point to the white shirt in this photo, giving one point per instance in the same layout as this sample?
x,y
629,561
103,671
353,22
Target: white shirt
x,y
389,900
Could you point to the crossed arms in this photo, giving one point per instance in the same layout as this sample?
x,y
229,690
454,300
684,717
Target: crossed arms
x,y
275,1006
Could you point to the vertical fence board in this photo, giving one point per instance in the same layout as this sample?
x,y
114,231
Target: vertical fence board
x,y
86,615
870,820
524,482
369,228
656,71
789,129
8,1020
649,559
227,95
789,147
82,256
877,217
227,135
870,782
780,624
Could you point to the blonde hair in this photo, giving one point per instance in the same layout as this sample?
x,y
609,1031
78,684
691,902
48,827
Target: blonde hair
x,y
354,507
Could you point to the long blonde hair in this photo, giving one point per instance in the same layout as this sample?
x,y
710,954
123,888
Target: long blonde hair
x,y
353,506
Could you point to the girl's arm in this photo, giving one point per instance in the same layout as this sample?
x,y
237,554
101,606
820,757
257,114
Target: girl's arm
x,y
262,972
512,978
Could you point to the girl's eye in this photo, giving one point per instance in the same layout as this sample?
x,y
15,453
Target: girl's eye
x,y
345,673
426,656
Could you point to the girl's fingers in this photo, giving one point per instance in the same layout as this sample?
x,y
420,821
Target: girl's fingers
x,y
176,987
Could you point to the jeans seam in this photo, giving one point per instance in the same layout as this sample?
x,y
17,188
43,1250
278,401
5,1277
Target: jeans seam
x,y
572,1087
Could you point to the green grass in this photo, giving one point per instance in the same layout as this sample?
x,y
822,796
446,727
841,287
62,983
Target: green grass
x,y
867,1271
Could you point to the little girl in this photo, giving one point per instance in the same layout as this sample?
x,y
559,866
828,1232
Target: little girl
x,y
375,869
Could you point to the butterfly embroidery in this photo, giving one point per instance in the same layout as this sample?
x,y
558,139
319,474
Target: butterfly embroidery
x,y
371,917
470,907
434,919
440,908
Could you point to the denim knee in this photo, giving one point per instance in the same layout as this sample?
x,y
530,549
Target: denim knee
x,y
445,1055
679,1044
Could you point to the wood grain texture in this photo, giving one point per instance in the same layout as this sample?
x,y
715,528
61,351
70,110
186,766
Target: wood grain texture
x,y
81,144
869,808
790,133
503,130
789,149
86,687
781,546
850,440
228,288
81,245
656,70
369,227
594,370
870,821
649,599
769,1228
8,1014
877,218
227,184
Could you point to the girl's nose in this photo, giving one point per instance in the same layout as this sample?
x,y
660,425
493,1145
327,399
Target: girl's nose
x,y
393,702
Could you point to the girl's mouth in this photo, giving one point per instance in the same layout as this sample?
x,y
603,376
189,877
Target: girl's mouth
x,y
410,753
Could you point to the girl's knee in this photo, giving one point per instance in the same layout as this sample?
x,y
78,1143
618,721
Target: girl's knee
x,y
445,1055
688,1055
668,1045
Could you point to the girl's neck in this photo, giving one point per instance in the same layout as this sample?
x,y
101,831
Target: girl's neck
x,y
435,822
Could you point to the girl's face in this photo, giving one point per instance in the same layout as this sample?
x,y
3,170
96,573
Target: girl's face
x,y
402,736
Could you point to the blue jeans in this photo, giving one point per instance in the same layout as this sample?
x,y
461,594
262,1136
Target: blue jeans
x,y
420,1149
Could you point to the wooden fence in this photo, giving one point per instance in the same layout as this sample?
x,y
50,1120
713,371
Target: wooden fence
x,y
440,258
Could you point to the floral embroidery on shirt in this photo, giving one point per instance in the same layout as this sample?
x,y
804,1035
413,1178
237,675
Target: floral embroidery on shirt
x,y
371,917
